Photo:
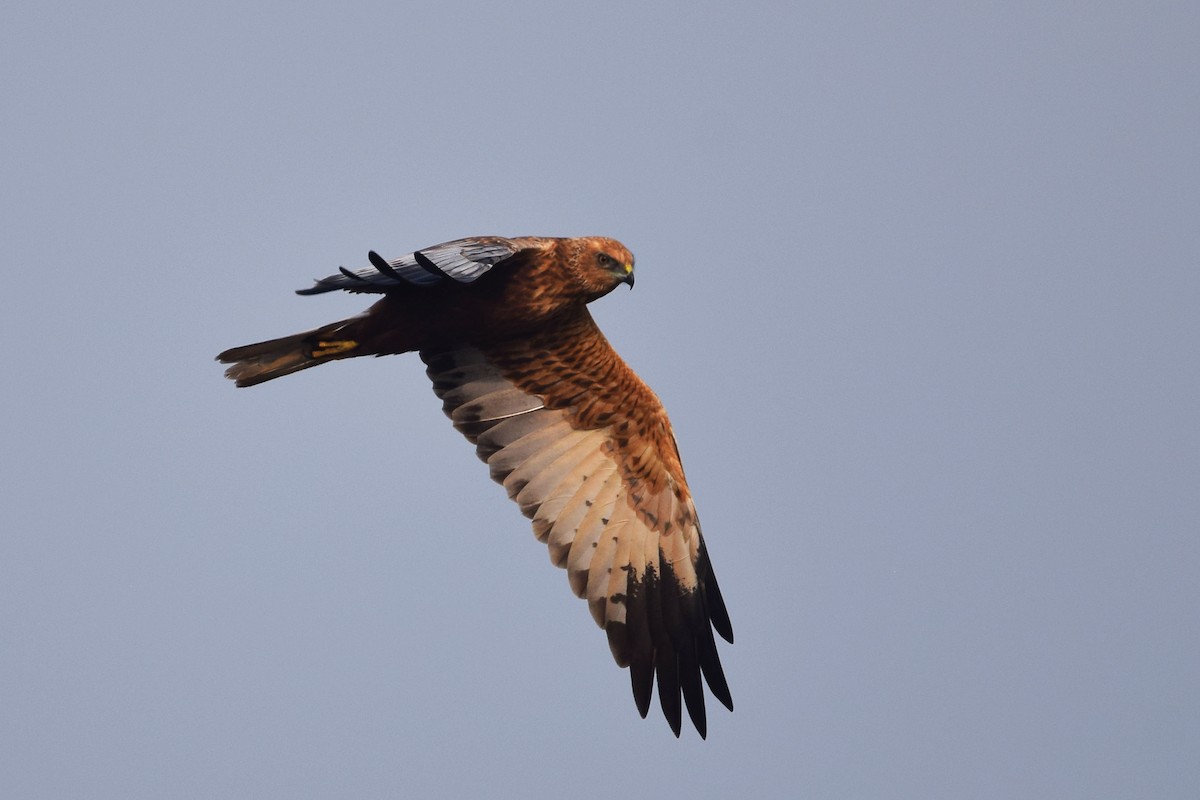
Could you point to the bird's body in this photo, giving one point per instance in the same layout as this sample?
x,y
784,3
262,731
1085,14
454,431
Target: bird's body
x,y
576,438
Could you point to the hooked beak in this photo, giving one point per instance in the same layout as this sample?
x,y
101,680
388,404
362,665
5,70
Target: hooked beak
x,y
628,275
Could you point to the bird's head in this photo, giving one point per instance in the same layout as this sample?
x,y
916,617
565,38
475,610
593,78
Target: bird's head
x,y
599,264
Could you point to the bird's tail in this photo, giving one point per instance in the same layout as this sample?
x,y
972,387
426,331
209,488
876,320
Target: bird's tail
x,y
255,363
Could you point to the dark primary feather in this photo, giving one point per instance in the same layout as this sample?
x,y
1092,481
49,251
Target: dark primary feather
x,y
462,260
381,264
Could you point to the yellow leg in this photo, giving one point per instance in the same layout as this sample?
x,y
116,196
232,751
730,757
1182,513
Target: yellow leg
x,y
324,349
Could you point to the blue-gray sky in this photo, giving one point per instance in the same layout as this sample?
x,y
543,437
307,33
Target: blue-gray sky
x,y
917,285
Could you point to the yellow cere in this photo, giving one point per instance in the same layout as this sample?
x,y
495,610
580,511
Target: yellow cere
x,y
628,268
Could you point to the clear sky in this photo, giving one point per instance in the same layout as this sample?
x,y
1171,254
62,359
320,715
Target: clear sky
x,y
918,286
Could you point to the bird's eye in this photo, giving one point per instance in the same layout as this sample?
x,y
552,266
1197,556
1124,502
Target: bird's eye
x,y
605,260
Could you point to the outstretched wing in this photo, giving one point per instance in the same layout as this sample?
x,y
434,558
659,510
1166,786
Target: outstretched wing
x,y
585,449
463,260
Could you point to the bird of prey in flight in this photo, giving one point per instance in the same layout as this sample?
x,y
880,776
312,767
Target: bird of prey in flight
x,y
577,439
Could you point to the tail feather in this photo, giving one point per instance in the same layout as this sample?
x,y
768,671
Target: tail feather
x,y
256,363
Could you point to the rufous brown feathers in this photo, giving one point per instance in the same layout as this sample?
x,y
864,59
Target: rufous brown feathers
x,y
578,441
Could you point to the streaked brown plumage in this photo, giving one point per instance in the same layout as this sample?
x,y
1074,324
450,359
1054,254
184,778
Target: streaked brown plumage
x,y
576,438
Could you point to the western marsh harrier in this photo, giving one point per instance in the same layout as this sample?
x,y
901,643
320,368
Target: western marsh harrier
x,y
578,440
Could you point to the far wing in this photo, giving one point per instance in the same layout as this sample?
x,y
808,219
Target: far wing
x,y
463,260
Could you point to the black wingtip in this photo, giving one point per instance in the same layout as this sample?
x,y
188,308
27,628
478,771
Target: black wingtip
x,y
669,698
693,690
319,287
322,285
713,601
426,264
641,675
381,264
710,666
